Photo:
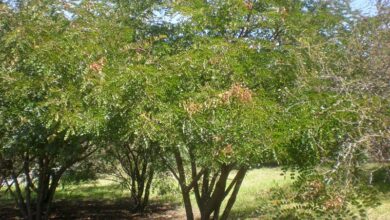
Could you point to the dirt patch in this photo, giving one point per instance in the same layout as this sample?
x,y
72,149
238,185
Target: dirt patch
x,y
99,210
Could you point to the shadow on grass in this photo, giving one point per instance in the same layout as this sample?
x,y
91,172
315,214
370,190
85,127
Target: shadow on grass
x,y
381,180
95,201
100,209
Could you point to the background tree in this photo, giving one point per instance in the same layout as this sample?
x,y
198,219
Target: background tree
x,y
52,69
134,163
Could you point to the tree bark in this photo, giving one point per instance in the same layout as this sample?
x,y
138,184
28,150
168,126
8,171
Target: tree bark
x,y
218,194
184,189
147,188
28,188
239,178
17,196
187,205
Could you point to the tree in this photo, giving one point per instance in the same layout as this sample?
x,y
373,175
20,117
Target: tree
x,y
52,69
242,93
134,164
222,87
218,119
354,70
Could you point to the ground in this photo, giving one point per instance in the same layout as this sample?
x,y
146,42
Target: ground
x,y
104,199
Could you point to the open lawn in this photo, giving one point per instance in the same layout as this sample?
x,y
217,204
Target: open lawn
x,y
104,199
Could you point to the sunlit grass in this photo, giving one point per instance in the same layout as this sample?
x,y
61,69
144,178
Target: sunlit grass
x,y
381,212
95,190
255,195
255,188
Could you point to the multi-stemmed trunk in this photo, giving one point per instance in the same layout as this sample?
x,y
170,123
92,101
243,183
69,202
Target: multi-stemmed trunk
x,y
47,182
215,188
210,186
23,185
140,189
136,170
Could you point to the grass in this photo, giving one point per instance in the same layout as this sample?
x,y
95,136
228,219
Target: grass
x,y
254,191
104,189
381,212
252,199
96,190
254,195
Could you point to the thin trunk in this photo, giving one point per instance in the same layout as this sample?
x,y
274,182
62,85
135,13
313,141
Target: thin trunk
x,y
19,196
50,195
196,185
16,198
43,185
212,182
219,192
147,188
216,212
187,204
205,183
28,188
184,189
141,183
240,177
43,198
133,189
205,196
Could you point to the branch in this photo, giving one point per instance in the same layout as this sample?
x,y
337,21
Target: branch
x,y
72,162
234,181
196,179
245,30
170,169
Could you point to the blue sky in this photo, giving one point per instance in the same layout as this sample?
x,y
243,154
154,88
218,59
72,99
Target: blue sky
x,y
366,6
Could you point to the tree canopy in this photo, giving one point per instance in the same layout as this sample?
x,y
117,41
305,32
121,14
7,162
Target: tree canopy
x,y
203,89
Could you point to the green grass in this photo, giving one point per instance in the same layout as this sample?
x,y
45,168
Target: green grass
x,y
104,189
254,195
252,201
95,190
254,191
381,212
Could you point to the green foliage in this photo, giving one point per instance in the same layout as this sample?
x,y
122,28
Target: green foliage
x,y
164,186
213,85
52,74
86,171
313,196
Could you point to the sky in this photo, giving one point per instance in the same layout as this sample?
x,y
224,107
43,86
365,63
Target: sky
x,y
366,6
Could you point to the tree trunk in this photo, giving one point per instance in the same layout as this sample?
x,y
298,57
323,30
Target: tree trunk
x,y
187,204
216,212
43,185
218,194
18,195
240,177
147,189
184,190
50,195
